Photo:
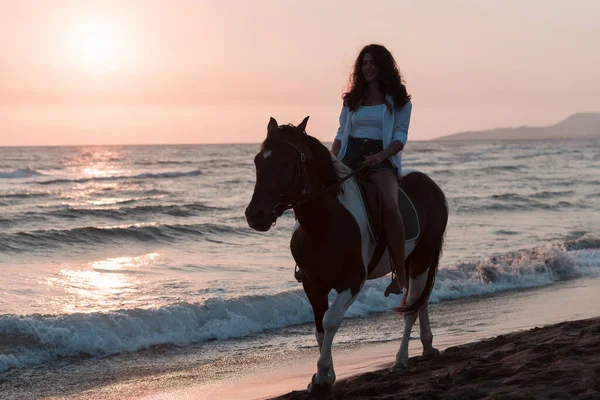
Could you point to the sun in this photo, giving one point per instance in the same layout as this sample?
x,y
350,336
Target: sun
x,y
97,46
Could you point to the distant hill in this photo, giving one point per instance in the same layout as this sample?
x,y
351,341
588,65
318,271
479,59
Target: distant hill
x,y
577,126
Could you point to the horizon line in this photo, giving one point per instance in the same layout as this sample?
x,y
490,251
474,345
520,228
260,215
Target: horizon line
x,y
258,143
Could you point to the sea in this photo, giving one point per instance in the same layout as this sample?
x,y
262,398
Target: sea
x,y
117,250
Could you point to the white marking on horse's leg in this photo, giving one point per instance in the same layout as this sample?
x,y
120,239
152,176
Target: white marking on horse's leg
x,y
402,355
319,336
426,335
331,322
415,288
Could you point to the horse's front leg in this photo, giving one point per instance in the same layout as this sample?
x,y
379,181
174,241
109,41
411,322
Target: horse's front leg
x,y
320,304
331,322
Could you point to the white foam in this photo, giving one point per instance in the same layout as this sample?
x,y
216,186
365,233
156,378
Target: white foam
x,y
101,334
515,270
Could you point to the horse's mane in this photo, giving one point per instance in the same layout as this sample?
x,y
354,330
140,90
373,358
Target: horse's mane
x,y
328,174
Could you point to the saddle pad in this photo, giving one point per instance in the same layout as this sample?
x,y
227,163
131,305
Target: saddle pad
x,y
409,216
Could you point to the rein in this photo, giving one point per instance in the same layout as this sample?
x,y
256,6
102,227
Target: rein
x,y
278,212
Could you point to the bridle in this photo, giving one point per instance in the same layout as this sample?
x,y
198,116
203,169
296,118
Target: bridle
x,y
301,175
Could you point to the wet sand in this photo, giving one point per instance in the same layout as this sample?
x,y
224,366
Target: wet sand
x,y
560,361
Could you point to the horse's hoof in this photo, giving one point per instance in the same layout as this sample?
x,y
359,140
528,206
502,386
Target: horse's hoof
x,y
431,353
331,378
318,390
399,366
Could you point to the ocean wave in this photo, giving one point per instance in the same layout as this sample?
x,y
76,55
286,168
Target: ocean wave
x,y
475,209
124,213
19,173
101,334
582,243
145,194
93,235
500,168
34,339
539,266
546,200
415,164
552,194
160,175
164,162
11,222
540,154
510,197
7,222
25,195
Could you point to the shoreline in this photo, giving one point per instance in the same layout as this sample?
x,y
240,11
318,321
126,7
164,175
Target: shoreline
x,y
555,361
165,373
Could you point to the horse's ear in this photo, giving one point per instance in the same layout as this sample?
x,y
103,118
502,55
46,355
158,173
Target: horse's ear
x,y
272,127
302,125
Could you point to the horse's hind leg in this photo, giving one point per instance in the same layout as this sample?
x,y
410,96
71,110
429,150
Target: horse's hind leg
x,y
415,288
426,335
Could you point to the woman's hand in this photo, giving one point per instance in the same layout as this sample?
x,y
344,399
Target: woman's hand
x,y
335,147
375,159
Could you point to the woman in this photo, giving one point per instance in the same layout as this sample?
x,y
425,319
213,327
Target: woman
x,y
373,130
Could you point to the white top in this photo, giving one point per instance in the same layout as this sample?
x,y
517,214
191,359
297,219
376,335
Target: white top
x,y
395,128
367,122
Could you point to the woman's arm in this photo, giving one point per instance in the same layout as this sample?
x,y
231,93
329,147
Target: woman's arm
x,y
336,146
401,123
378,158
399,136
394,147
337,142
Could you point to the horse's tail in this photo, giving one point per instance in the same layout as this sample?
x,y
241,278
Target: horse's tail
x,y
431,242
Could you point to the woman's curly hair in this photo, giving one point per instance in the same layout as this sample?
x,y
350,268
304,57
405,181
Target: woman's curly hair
x,y
389,78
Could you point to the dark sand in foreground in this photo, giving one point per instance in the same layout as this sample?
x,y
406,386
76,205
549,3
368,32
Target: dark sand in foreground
x,y
559,361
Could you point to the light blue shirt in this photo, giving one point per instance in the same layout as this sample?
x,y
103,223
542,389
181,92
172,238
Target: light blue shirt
x,y
367,122
395,127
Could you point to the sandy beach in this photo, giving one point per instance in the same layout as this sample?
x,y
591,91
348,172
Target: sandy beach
x,y
558,361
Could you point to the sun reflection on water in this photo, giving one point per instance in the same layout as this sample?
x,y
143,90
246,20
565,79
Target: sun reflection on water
x,y
102,285
124,262
99,171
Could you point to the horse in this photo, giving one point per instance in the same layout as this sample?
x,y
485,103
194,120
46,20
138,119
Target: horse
x,y
294,170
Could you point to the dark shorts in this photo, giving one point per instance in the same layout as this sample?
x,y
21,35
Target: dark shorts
x,y
358,148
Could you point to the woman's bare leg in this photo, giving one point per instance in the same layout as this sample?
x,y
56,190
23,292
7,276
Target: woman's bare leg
x,y
387,183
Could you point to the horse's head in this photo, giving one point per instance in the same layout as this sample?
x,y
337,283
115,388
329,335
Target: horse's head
x,y
290,165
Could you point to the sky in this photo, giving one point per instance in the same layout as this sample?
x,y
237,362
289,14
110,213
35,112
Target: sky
x,y
181,71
